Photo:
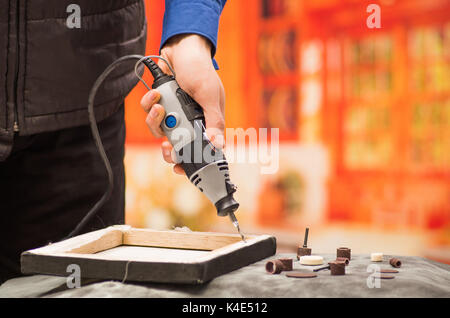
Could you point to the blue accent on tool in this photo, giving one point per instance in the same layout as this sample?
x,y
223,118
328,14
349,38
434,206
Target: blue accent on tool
x,y
171,121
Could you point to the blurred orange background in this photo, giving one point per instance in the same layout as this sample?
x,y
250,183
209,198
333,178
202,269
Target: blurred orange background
x,y
364,119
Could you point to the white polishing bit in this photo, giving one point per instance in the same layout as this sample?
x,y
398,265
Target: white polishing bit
x,y
311,260
376,257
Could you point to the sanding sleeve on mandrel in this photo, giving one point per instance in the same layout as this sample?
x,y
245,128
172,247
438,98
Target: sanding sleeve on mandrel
x,y
287,263
337,267
302,251
274,266
343,259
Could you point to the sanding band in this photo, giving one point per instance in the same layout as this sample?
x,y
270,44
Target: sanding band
x,y
337,267
278,265
395,262
274,266
287,263
344,252
302,251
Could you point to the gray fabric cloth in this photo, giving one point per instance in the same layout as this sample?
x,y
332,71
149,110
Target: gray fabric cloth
x,y
418,277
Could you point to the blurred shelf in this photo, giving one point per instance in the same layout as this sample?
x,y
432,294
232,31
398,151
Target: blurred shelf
x,y
439,254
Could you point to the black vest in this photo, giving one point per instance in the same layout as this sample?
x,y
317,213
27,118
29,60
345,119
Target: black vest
x,y
48,64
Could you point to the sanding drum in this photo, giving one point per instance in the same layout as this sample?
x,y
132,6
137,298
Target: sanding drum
x,y
274,266
303,251
279,265
395,262
343,259
344,252
376,257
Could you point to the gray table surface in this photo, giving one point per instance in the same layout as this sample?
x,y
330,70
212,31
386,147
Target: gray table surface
x,y
418,277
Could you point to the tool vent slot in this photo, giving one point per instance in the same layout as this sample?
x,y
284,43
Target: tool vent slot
x,y
223,168
185,97
198,181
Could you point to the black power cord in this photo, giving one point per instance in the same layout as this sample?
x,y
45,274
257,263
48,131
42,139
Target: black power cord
x,y
99,144
94,128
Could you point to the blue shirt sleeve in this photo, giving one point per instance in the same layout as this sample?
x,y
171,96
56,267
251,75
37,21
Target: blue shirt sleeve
x,y
193,16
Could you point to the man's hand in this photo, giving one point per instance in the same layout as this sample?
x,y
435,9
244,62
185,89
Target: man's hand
x,y
190,57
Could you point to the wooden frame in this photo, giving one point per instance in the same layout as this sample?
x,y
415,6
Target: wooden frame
x,y
162,256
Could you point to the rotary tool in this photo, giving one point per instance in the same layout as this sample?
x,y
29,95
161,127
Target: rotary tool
x,y
184,125
204,165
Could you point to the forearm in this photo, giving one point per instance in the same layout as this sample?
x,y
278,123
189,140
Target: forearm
x,y
192,17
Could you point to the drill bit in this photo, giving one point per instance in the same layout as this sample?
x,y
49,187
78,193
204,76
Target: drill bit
x,y
236,224
305,241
